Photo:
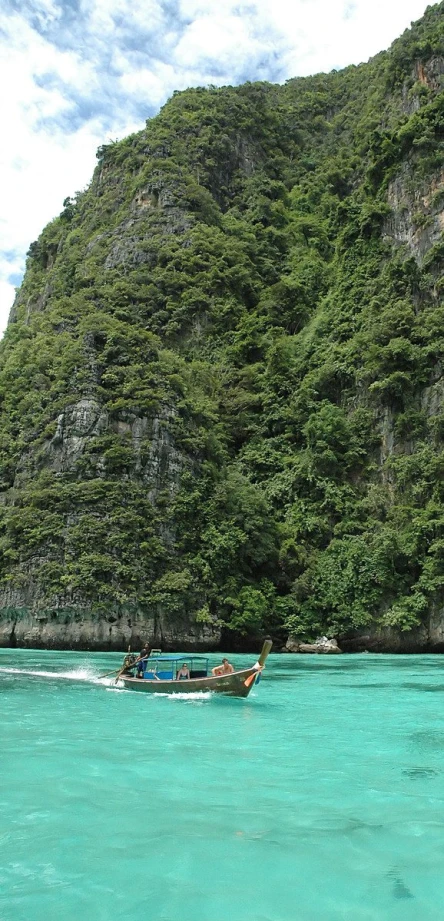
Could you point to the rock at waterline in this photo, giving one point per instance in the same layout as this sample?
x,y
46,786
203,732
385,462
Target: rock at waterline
x,y
322,645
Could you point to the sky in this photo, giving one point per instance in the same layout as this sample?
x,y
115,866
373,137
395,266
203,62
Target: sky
x,y
76,74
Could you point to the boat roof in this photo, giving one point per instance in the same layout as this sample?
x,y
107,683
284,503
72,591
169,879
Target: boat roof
x,y
180,657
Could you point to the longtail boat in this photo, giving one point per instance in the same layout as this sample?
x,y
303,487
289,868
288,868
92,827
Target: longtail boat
x,y
158,675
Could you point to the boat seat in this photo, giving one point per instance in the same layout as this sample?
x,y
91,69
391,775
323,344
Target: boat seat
x,y
198,673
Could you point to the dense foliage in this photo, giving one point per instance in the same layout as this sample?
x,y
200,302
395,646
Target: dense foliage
x,y
250,292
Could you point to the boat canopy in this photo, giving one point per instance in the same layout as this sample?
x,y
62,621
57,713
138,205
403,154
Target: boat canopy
x,y
176,658
166,667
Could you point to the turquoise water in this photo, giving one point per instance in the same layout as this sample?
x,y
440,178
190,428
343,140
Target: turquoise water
x,y
320,798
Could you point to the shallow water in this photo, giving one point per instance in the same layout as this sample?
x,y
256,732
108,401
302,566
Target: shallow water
x,y
320,798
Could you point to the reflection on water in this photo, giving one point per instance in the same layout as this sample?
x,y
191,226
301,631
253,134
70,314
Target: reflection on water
x,y
425,740
317,799
420,772
410,685
399,888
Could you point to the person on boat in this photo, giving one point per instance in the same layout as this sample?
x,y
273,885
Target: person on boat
x,y
183,672
225,669
129,662
141,665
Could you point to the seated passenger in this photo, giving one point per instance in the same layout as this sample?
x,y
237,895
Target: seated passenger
x,y
183,672
225,669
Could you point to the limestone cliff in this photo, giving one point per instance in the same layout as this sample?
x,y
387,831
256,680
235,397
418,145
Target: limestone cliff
x,y
222,380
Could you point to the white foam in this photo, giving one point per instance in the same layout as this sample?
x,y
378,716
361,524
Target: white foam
x,y
75,674
191,696
85,674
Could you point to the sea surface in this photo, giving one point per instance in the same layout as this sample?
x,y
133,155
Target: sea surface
x,y
319,798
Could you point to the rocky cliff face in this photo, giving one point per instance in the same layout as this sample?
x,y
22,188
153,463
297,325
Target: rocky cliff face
x,y
221,385
77,628
417,211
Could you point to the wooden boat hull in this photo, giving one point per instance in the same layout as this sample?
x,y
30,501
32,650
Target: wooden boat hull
x,y
237,684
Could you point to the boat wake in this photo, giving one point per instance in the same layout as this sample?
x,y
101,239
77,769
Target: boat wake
x,y
191,697
87,675
74,674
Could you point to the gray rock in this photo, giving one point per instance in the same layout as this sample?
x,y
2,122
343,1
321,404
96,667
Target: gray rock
x,y
322,646
68,627
417,218
75,426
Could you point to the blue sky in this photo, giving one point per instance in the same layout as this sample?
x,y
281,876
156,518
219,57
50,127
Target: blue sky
x,y
77,73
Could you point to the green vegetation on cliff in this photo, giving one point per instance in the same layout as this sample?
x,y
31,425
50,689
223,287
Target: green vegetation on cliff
x,y
221,385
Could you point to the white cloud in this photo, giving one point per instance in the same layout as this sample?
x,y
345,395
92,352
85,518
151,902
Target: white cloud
x,y
73,83
103,16
227,39
39,164
45,11
151,84
336,33
7,291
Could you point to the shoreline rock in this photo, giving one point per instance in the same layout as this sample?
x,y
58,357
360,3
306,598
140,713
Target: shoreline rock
x,y
322,646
